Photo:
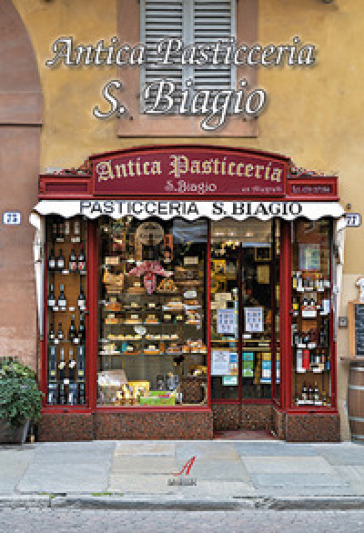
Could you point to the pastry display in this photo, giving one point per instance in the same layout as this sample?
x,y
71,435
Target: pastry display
x,y
174,349
167,285
151,349
174,305
111,319
149,307
133,319
151,319
113,305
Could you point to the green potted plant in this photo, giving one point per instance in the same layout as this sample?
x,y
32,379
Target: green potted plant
x,y
20,400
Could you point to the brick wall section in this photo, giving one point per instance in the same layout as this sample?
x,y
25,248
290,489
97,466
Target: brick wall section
x,y
278,423
233,417
312,428
66,427
110,426
154,425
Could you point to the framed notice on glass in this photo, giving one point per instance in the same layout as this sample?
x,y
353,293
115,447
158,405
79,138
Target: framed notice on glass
x,y
254,319
309,256
226,321
220,363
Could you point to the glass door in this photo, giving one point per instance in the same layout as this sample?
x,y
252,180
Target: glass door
x,y
244,310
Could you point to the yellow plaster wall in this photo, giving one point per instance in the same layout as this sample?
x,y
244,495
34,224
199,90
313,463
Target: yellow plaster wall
x,y
314,115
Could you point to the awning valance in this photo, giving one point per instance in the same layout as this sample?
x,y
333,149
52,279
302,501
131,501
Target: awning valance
x,y
189,210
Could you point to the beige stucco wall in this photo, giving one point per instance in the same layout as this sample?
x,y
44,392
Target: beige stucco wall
x,y
314,115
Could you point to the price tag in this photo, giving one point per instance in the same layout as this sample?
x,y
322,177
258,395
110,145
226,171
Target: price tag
x,y
12,218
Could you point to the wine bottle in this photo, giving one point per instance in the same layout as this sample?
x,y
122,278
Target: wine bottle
x,y
52,364
54,229
304,394
60,335
62,302
62,394
62,365
76,227
51,301
60,261
60,237
52,261
72,263
71,366
67,227
324,398
82,260
295,307
51,334
316,394
81,375
72,332
82,330
81,302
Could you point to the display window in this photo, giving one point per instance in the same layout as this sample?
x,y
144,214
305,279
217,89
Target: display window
x,y
152,348
188,311
244,304
311,314
66,248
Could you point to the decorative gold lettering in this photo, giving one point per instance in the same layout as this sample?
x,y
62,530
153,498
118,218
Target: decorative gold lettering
x,y
276,175
239,169
249,170
267,171
230,170
179,164
104,171
145,168
121,171
195,166
206,167
156,167
130,168
257,171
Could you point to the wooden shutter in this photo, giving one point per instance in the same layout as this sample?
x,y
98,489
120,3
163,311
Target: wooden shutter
x,y
160,19
195,21
213,20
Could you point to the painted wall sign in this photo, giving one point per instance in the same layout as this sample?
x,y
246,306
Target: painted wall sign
x,y
12,218
189,210
183,171
353,220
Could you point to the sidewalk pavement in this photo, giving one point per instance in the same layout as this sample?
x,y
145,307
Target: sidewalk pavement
x,y
224,475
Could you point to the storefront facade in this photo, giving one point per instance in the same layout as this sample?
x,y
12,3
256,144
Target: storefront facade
x,y
47,124
188,289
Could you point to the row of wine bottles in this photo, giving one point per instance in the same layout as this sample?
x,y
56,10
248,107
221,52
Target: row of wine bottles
x,y
66,379
74,336
62,229
307,283
75,263
60,303
311,396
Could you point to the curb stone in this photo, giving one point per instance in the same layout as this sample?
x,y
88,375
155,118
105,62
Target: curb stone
x,y
278,504
111,502
34,500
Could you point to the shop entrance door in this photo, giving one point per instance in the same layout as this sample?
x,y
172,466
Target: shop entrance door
x,y
244,311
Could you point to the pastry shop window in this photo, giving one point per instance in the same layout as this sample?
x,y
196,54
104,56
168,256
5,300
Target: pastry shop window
x,y
152,348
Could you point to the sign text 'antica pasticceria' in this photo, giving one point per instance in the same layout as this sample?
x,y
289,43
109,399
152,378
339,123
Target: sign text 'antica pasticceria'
x,y
183,172
165,96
